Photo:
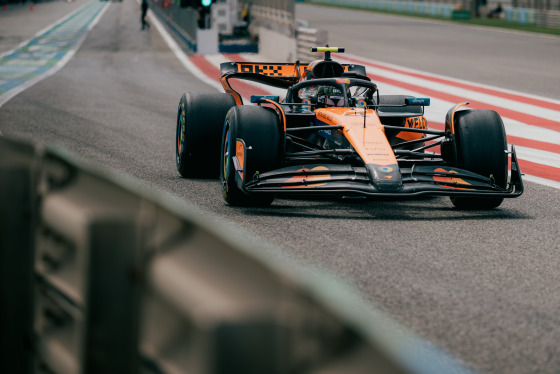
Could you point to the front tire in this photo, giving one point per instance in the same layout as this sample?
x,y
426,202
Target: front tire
x,y
200,120
481,148
259,129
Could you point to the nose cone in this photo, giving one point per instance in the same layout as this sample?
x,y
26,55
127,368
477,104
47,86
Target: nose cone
x,y
386,178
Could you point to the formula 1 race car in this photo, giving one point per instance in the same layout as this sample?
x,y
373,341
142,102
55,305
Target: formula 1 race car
x,y
333,133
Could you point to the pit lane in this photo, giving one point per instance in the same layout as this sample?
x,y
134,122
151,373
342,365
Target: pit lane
x,y
482,285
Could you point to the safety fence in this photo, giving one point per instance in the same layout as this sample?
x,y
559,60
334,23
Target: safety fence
x,y
102,275
525,16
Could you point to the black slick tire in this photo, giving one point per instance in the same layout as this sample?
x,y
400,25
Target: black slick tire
x,y
481,148
200,120
259,129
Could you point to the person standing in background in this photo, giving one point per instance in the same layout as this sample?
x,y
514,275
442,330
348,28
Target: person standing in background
x,y
144,7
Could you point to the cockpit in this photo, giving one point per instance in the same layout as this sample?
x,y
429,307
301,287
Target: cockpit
x,y
327,83
332,92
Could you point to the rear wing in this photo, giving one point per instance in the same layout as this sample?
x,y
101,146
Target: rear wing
x,y
290,72
286,71
281,75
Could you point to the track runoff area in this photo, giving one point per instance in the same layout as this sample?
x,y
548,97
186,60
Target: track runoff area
x,y
532,123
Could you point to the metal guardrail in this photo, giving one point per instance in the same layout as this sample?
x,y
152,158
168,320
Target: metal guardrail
x,y
98,275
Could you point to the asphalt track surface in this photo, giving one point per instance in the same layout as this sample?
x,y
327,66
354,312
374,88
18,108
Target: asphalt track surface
x,y
481,285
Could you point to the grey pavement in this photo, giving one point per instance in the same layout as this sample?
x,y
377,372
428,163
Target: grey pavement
x,y
482,285
46,52
20,22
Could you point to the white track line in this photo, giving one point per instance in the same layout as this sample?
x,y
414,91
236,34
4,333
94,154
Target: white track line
x,y
52,25
183,58
405,70
60,64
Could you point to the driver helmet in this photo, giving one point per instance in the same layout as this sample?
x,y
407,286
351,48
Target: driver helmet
x,y
330,96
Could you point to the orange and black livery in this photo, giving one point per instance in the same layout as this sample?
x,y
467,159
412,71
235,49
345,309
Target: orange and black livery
x,y
332,132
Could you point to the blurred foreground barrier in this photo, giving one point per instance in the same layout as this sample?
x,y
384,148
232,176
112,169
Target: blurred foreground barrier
x,y
99,275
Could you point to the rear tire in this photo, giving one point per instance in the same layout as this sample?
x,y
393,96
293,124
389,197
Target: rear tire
x,y
259,129
481,148
200,120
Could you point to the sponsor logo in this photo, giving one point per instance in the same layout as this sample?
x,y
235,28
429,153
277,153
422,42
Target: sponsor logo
x,y
240,154
270,70
354,112
326,116
449,179
385,169
417,123
309,180
326,133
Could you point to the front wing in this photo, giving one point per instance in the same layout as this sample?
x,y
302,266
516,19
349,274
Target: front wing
x,y
338,179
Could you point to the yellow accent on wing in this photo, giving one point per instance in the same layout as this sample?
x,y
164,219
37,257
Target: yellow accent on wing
x,y
327,49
